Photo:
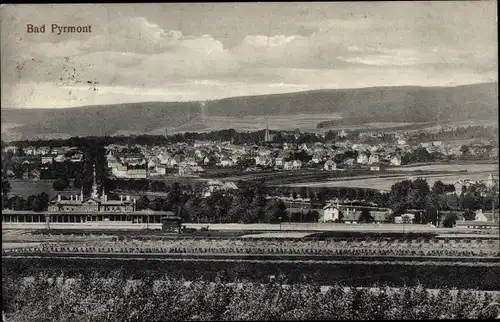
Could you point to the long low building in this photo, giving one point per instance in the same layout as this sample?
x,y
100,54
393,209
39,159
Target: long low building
x,y
139,217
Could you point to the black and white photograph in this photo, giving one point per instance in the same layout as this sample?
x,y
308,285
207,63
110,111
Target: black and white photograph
x,y
240,161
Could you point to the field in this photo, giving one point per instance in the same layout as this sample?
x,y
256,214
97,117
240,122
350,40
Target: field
x,y
470,168
385,183
26,188
304,122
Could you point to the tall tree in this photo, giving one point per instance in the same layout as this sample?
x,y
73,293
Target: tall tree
x,y
365,216
5,187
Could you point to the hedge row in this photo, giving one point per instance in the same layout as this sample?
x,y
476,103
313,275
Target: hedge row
x,y
93,298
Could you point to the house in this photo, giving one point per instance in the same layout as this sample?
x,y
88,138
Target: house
x,y
330,165
198,144
161,169
217,185
342,134
480,216
317,158
406,218
47,159
119,170
288,165
197,169
349,161
235,158
11,148
60,150
60,158
226,163
352,215
171,163
30,150
306,147
396,160
263,160
199,154
185,170
330,213
208,160
35,174
362,159
279,161
190,161
77,157
137,173
10,174
374,158
482,221
490,182
153,162
296,164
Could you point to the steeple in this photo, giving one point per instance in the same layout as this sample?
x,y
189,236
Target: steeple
x,y
266,135
95,194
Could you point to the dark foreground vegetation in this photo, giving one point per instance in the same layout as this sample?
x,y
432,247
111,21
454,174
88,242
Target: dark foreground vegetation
x,y
91,297
480,276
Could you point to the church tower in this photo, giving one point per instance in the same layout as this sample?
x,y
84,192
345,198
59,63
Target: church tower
x,y
95,193
267,136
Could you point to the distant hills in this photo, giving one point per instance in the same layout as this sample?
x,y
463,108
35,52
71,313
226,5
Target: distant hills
x,y
355,106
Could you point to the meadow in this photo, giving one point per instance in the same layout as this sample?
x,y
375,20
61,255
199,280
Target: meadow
x,y
385,183
26,188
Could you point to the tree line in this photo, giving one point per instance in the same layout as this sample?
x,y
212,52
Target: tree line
x,y
250,203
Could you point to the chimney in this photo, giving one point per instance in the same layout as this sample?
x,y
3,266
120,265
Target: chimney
x,y
71,198
58,197
128,198
121,198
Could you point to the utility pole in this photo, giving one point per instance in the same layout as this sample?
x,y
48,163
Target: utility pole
x,y
493,215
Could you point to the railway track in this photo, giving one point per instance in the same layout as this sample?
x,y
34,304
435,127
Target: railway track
x,y
414,260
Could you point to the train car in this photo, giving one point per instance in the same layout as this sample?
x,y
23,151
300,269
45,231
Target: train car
x,y
171,223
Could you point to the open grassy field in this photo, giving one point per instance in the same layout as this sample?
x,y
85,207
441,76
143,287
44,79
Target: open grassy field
x,y
304,122
26,188
469,167
385,183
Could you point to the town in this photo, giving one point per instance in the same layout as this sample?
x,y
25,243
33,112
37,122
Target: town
x,y
270,170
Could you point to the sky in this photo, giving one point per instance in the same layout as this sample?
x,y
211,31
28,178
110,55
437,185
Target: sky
x,y
204,51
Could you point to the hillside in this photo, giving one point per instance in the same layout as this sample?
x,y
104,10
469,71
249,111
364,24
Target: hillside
x,y
355,106
375,104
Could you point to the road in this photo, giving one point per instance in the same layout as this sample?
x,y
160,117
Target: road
x,y
312,227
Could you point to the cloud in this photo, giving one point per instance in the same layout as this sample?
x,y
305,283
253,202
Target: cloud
x,y
126,51
148,57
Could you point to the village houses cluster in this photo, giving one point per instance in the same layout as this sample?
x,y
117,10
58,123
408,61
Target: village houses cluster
x,y
183,159
36,159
